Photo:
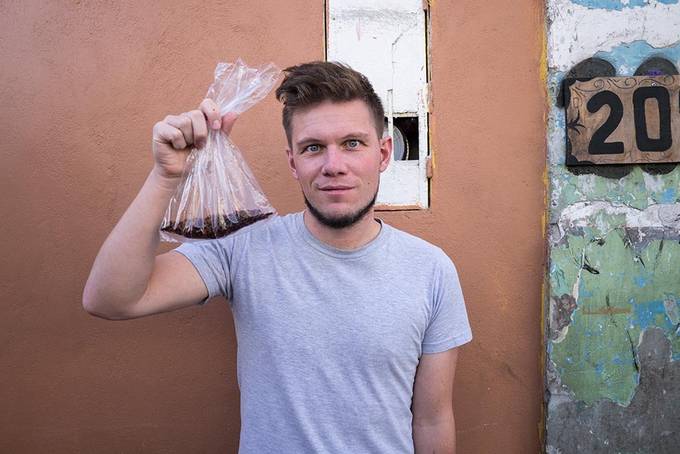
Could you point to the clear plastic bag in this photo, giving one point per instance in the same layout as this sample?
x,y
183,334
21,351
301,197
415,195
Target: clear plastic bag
x,y
218,193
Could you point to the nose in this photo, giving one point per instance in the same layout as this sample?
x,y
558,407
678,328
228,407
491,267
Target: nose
x,y
334,162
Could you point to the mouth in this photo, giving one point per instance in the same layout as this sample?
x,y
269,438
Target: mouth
x,y
335,188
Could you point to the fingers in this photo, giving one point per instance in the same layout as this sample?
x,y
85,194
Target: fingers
x,y
228,122
212,116
184,124
199,126
164,133
191,128
211,112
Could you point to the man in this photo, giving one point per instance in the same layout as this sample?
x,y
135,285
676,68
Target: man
x,y
347,328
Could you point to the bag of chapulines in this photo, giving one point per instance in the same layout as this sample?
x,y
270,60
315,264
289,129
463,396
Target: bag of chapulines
x,y
218,193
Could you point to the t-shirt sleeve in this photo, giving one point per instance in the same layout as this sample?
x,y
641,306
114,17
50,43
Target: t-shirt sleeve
x,y
449,326
211,258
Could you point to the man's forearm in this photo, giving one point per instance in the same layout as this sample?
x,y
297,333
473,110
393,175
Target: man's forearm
x,y
123,266
438,438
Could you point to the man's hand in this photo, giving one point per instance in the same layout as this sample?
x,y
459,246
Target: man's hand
x,y
176,135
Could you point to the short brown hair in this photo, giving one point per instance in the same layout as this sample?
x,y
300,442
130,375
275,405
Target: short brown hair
x,y
312,83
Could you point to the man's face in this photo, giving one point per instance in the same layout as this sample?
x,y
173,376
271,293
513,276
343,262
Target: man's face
x,y
337,156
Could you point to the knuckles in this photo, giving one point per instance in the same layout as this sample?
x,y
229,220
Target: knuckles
x,y
185,122
196,115
209,108
176,135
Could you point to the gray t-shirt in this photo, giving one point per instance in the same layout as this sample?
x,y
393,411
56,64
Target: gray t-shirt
x,y
329,340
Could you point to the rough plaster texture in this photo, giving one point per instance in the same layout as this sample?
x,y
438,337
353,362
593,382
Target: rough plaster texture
x,y
613,281
81,87
487,196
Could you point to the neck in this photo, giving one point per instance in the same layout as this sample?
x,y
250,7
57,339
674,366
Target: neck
x,y
353,237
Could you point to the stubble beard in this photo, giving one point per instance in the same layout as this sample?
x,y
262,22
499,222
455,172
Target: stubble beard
x,y
342,221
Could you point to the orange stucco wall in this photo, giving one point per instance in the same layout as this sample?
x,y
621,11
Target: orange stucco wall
x,y
82,85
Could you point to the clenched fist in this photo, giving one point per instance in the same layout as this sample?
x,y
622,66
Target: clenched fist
x,y
176,135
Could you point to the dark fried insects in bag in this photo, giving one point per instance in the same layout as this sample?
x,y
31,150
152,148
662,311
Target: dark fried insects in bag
x,y
206,230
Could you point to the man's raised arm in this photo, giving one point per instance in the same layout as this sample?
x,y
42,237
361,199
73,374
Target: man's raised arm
x,y
127,279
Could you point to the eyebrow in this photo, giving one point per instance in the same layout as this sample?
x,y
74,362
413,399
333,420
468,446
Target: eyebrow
x,y
356,135
306,141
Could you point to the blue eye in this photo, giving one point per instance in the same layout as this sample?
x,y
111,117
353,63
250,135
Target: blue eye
x,y
353,143
313,148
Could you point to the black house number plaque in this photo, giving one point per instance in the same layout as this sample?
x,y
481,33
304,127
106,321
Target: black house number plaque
x,y
623,120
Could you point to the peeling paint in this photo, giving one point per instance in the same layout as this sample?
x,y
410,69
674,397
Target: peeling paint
x,y
627,56
599,218
561,309
613,337
648,425
578,32
619,4
612,309
637,187
672,309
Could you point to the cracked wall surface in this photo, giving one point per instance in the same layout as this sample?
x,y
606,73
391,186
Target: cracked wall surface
x,y
613,293
648,424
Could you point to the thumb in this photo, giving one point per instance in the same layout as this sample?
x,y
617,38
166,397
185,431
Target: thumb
x,y
228,121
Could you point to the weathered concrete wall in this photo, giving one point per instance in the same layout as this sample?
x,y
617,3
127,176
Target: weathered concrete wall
x,y
82,84
613,300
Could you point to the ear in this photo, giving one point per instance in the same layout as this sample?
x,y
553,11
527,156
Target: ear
x,y
291,163
385,152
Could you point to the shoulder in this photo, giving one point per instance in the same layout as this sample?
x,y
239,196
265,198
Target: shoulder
x,y
265,231
273,226
416,248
